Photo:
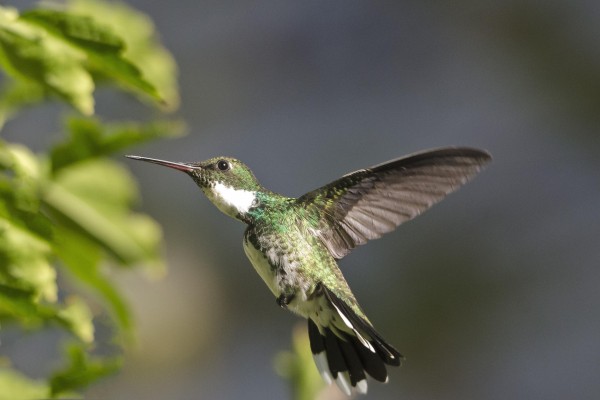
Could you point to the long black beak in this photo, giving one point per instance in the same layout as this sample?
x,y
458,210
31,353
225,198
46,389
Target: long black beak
x,y
176,165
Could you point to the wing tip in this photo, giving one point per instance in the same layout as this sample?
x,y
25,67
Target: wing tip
x,y
479,156
455,151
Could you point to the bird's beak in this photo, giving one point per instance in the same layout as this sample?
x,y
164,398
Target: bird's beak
x,y
176,165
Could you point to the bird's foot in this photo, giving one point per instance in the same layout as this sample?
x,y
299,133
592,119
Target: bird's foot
x,y
283,300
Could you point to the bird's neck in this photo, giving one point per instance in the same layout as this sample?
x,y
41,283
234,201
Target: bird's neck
x,y
242,204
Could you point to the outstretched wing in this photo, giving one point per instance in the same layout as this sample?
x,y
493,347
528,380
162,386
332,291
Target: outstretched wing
x,y
365,204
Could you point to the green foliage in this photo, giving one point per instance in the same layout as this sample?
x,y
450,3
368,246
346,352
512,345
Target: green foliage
x,y
60,51
298,367
81,371
68,212
29,53
16,386
138,34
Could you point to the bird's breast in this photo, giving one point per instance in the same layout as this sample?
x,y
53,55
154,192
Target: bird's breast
x,y
263,266
281,262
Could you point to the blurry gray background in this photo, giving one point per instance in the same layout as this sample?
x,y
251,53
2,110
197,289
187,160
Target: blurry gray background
x,y
492,294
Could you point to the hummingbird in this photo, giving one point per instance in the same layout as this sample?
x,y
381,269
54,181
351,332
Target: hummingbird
x,y
294,243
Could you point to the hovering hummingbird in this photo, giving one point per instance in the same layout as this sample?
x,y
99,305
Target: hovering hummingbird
x,y
293,243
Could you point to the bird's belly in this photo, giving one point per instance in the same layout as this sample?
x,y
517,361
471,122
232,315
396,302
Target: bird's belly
x,y
262,266
314,307
282,274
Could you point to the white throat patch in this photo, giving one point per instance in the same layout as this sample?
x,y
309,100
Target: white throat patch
x,y
231,201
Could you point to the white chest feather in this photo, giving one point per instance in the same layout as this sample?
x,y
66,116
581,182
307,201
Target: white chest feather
x,y
230,200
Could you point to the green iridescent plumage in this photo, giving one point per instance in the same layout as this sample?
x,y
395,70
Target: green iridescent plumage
x,y
294,243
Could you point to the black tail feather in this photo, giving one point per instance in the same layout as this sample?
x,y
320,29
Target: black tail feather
x,y
351,354
372,363
317,341
335,358
356,368
390,355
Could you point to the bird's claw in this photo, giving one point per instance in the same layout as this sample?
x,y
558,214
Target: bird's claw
x,y
284,300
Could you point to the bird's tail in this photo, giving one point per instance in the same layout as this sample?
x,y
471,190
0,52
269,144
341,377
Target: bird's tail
x,y
349,352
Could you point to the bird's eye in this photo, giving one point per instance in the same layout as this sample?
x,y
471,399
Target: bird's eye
x,y
223,165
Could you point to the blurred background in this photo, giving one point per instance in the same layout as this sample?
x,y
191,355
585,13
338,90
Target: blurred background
x,y
492,294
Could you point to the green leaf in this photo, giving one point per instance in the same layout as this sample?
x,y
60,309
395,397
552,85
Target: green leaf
x,y
27,52
16,386
82,370
103,48
59,50
141,44
25,262
77,316
89,138
19,304
23,176
24,234
83,31
82,257
27,278
94,198
16,95
298,367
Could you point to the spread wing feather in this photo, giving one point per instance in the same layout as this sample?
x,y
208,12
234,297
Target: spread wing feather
x,y
368,203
